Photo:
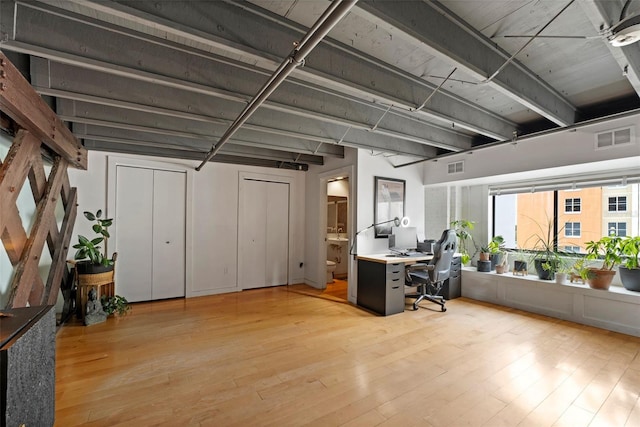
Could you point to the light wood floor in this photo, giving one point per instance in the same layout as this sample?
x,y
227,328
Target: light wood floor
x,y
273,357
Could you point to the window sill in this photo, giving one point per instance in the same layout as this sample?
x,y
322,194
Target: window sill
x,y
614,310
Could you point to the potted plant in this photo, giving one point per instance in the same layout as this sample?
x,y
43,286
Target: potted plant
x,y
520,264
115,305
501,266
91,260
493,251
545,257
463,228
608,248
630,270
563,269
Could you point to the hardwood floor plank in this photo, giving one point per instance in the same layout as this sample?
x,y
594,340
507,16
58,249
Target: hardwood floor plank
x,y
279,357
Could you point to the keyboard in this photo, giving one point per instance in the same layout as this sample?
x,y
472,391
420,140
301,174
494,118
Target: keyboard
x,y
416,254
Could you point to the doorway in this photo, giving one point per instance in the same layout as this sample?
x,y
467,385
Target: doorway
x,y
337,237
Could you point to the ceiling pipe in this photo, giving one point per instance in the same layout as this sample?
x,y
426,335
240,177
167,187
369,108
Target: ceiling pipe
x,y
336,11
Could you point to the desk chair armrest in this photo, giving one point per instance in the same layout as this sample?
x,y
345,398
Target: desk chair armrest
x,y
420,267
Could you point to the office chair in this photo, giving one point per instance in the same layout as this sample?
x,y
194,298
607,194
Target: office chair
x,y
430,277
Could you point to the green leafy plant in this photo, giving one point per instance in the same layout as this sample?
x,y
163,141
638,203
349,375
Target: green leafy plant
x,y
495,245
608,248
90,249
115,304
630,250
463,229
544,253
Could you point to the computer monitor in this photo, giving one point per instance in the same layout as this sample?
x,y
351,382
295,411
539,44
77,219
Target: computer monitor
x,y
404,239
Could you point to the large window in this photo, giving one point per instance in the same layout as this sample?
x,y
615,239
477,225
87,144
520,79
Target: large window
x,y
572,205
618,204
566,218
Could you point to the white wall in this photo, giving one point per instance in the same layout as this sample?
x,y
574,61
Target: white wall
x,y
212,199
565,153
370,166
338,188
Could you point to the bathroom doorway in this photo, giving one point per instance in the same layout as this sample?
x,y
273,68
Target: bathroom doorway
x,y
337,237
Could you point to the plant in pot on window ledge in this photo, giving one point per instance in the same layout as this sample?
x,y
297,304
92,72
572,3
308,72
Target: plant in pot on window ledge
x,y
608,249
545,257
493,251
630,268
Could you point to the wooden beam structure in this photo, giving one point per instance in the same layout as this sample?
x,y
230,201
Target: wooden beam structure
x,y
20,102
37,130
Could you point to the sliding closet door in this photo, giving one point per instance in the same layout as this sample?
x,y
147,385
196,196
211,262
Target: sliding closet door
x,y
169,194
134,222
263,236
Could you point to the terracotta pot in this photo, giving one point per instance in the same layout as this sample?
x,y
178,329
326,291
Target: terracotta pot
x,y
600,279
500,269
485,256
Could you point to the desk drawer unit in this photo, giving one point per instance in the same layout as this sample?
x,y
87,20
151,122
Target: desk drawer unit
x,y
452,286
381,287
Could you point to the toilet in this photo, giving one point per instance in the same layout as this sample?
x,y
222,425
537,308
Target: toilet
x,y
331,267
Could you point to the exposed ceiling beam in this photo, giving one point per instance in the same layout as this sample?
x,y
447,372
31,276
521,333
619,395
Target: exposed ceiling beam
x,y
108,133
449,37
152,141
603,14
134,147
319,106
351,138
332,65
74,83
127,119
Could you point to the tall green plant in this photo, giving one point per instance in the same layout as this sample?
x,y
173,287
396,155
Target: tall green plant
x,y
462,227
89,248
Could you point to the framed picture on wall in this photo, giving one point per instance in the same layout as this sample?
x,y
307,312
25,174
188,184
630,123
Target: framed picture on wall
x,y
389,195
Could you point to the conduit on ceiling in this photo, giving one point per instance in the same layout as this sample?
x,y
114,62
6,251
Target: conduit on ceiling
x,y
334,13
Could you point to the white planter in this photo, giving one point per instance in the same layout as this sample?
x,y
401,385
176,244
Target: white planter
x,y
561,278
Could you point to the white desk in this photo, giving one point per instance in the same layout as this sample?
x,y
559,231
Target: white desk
x,y
381,281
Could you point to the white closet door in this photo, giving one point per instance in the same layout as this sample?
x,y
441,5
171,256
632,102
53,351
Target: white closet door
x,y
169,197
277,240
252,234
133,220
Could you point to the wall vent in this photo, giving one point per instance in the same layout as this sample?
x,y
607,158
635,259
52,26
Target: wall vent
x,y
455,167
614,138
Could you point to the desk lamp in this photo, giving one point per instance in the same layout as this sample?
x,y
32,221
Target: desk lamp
x,y
404,222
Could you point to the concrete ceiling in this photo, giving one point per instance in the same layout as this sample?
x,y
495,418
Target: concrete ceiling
x,y
167,77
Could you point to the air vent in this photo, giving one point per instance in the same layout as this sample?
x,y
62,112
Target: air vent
x,y
614,138
456,167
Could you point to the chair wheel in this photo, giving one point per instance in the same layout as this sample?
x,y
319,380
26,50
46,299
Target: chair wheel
x,y
444,309
415,307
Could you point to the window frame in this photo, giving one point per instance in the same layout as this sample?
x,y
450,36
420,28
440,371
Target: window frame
x,y
573,205
616,203
568,227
